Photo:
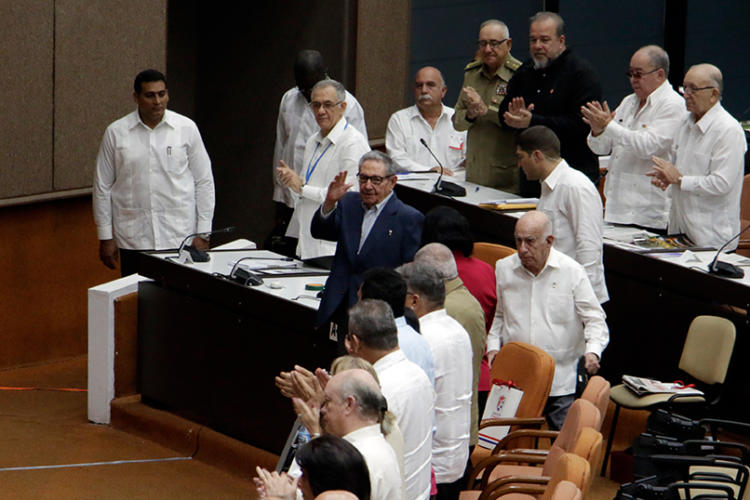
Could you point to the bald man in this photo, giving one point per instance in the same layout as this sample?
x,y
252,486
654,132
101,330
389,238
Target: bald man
x,y
544,298
640,127
353,408
705,167
427,119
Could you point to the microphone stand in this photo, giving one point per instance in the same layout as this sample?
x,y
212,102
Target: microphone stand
x,y
188,254
725,269
445,188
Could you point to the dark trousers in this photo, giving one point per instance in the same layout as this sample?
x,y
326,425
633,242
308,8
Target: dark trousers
x,y
128,262
557,409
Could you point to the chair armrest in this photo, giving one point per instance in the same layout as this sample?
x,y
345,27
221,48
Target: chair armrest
x,y
523,433
481,472
535,422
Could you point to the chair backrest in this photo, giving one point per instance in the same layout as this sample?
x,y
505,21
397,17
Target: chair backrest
x,y
745,200
708,349
565,490
570,467
589,446
581,414
531,369
597,392
491,252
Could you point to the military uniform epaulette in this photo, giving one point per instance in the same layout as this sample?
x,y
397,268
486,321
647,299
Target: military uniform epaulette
x,y
512,63
473,64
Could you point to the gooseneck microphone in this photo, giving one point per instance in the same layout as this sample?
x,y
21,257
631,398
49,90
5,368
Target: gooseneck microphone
x,y
725,269
187,254
446,188
243,277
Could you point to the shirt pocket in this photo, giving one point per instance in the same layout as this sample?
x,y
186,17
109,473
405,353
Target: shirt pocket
x,y
177,159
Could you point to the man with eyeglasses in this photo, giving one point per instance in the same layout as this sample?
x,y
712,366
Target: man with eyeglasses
x,y
549,89
489,147
295,124
430,120
640,127
704,169
334,149
372,228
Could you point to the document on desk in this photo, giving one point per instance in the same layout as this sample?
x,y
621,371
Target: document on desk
x,y
278,267
511,204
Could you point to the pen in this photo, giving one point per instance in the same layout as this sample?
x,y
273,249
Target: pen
x,y
169,150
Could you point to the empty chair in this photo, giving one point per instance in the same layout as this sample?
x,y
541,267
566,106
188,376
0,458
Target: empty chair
x,y
597,392
705,357
491,252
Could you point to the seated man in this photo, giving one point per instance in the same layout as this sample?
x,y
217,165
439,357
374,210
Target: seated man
x,y
544,298
427,120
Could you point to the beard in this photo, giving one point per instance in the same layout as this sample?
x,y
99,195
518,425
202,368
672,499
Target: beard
x,y
541,63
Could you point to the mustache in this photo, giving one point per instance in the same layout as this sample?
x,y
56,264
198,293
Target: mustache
x,y
424,97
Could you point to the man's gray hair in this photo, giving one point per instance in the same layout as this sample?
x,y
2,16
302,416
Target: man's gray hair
x,y
370,400
371,320
496,22
439,257
338,86
379,156
544,15
658,57
425,281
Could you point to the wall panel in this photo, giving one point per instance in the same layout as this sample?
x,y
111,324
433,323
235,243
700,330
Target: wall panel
x,y
99,48
26,48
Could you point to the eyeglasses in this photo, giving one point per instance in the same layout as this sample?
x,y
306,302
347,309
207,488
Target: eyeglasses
x,y
376,180
492,43
638,74
692,90
328,105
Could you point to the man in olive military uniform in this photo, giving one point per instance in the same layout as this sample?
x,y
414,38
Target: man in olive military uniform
x,y
490,153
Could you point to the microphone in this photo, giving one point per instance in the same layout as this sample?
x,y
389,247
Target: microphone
x,y
187,254
446,188
725,269
246,278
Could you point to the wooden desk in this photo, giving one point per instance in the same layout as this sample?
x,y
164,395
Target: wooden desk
x,y
209,349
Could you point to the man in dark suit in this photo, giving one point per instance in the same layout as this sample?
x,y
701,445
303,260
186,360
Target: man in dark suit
x,y
373,228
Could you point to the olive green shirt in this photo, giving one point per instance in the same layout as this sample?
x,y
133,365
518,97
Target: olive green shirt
x,y
490,153
461,305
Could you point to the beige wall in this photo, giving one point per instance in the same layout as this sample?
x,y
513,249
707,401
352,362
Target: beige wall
x,y
383,47
68,68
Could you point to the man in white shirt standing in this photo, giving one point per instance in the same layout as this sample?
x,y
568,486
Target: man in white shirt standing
x,y
544,298
296,123
451,351
373,336
427,119
336,147
704,171
569,199
153,184
641,127
353,408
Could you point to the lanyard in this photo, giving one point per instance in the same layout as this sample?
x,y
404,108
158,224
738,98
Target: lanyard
x,y
310,171
314,165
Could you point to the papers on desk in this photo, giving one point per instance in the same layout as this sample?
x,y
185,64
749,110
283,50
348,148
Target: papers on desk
x,y
511,204
642,386
642,241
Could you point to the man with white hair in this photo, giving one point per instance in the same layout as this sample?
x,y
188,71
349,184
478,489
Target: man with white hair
x,y
544,298
429,120
460,305
704,170
640,127
353,408
489,148
335,148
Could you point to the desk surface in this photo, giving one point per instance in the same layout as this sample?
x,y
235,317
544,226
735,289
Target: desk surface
x,y
274,267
